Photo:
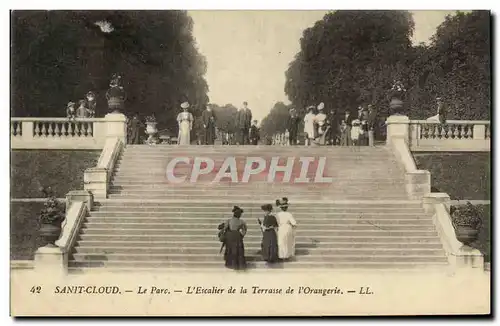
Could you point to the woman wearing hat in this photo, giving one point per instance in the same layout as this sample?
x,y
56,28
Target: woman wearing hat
x,y
309,125
286,230
185,121
236,228
269,238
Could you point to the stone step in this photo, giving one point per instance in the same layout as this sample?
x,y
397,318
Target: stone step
x,y
134,161
291,193
204,233
332,205
220,212
105,250
197,216
76,266
204,213
209,222
255,257
249,244
136,180
239,188
343,237
261,198
363,159
305,228
262,150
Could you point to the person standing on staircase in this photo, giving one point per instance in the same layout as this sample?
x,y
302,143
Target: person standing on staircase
x,y
243,125
293,127
269,243
208,119
372,124
134,127
254,133
235,230
185,120
248,123
286,230
309,125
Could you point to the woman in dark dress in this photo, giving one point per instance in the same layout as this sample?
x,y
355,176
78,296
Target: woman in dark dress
x,y
269,238
234,255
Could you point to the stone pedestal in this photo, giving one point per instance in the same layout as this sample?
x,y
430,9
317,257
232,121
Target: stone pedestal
x,y
418,183
434,198
116,126
80,195
51,261
397,127
95,180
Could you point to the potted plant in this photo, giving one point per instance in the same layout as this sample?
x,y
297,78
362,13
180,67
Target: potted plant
x,y
467,222
51,217
396,95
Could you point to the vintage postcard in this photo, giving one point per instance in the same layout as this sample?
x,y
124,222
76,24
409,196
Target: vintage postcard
x,y
250,163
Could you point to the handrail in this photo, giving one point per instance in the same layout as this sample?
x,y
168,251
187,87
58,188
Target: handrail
x,y
58,119
74,218
476,122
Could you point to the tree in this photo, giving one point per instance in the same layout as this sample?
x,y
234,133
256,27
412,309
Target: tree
x,y
456,67
59,55
349,58
226,117
276,121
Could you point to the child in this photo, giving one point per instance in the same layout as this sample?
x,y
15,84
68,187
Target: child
x,y
71,111
82,111
356,132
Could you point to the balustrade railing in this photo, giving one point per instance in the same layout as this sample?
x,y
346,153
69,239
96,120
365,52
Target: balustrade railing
x,y
33,133
451,135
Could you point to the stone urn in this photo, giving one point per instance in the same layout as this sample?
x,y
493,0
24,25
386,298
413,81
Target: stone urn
x,y
51,217
152,132
50,232
396,104
467,222
466,234
151,128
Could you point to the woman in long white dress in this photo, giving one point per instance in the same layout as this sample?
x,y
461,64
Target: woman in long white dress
x,y
286,230
185,121
309,125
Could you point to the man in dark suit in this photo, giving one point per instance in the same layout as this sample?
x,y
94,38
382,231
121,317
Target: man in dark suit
x,y
372,123
248,124
293,126
254,133
208,119
243,122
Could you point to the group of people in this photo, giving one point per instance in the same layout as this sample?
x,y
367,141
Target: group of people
x,y
247,130
332,128
278,235
86,108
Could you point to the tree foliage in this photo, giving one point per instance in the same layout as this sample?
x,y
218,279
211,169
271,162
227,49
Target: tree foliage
x,y
276,120
60,55
351,58
456,66
225,117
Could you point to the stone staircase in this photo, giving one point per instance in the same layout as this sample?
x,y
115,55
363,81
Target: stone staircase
x,y
363,219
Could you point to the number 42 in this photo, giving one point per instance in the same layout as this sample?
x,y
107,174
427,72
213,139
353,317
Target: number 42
x,y
36,289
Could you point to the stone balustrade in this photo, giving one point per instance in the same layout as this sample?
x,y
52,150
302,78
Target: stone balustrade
x,y
454,135
62,133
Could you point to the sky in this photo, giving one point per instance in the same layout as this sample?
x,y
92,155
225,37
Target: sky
x,y
248,52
